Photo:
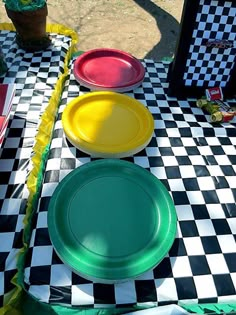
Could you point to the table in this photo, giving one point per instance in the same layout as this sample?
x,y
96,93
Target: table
x,y
194,159
38,80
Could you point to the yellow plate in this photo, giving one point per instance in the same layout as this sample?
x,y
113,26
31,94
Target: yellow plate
x,y
107,124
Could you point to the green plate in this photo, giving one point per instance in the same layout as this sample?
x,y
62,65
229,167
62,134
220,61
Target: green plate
x,y
111,220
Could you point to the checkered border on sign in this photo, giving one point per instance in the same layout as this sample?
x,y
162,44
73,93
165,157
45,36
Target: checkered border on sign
x,y
197,163
212,66
34,76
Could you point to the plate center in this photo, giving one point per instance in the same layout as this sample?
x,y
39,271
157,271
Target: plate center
x,y
113,124
109,71
112,217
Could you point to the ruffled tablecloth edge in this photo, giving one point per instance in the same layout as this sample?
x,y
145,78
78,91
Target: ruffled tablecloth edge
x,y
39,155
30,305
220,308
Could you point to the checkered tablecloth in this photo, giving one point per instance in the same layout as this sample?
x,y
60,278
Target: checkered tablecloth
x,y
196,161
35,76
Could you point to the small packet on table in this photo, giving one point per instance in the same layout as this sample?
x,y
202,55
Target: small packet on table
x,y
219,110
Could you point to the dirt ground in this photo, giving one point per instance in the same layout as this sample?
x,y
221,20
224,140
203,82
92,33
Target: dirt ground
x,y
144,28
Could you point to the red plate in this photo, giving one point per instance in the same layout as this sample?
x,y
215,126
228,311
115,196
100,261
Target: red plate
x,y
108,69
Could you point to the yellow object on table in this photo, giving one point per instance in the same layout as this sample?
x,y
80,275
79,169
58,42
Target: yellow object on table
x,y
108,124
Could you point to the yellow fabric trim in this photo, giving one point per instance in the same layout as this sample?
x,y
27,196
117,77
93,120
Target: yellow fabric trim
x,y
42,140
7,27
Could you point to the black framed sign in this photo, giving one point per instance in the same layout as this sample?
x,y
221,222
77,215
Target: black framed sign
x,y
206,50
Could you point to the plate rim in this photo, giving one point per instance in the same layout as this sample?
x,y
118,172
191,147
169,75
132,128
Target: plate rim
x,y
172,215
121,150
121,87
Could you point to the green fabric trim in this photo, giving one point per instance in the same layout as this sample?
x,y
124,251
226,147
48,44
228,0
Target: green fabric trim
x,y
77,53
28,305
167,59
219,308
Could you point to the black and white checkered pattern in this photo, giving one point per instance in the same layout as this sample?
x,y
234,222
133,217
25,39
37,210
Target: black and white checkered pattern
x,y
34,76
196,161
205,66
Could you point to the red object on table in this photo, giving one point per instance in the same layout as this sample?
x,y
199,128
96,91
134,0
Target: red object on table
x,y
108,69
7,92
215,93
